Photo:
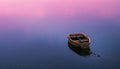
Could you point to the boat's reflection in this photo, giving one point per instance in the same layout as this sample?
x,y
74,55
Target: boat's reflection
x,y
81,52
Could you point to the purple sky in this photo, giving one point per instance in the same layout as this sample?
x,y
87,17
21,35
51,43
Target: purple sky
x,y
27,14
59,8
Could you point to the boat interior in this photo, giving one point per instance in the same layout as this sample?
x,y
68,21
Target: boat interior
x,y
79,37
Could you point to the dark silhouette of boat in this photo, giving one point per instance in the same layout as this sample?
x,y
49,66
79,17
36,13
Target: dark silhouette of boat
x,y
79,40
79,51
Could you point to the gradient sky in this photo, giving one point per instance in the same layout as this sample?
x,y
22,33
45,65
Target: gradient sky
x,y
60,8
29,14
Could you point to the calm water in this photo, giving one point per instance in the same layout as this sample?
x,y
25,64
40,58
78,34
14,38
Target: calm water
x,y
41,43
36,48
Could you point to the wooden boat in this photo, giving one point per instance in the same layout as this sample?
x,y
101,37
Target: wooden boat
x,y
80,40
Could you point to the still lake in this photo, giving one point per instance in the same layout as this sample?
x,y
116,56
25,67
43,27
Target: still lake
x,y
46,46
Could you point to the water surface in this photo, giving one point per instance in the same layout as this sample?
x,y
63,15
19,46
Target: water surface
x,y
33,34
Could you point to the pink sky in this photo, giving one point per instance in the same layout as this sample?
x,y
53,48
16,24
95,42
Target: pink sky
x,y
36,9
59,8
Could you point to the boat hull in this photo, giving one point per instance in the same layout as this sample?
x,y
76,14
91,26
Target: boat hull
x,y
79,51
